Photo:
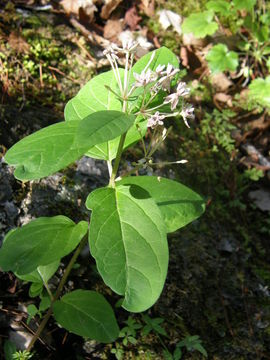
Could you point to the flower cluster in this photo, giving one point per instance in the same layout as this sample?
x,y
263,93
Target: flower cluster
x,y
152,82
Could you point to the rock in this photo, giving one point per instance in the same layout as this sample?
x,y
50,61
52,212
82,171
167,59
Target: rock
x,y
261,198
19,335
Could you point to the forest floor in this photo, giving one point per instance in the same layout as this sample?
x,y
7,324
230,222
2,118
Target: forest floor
x,y
219,270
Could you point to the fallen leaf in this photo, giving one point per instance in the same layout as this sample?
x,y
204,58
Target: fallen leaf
x,y
132,18
184,56
169,18
112,29
108,8
147,7
18,43
224,98
189,39
82,9
143,44
221,82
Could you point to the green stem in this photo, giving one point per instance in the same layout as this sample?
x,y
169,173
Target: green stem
x,y
57,293
117,159
119,151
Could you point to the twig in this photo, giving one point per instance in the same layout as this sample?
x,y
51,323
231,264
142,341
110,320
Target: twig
x,y
63,74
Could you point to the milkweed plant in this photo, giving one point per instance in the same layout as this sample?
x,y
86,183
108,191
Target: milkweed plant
x,y
130,217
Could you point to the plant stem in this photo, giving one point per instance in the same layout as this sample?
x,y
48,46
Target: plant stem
x,y
117,159
57,293
119,151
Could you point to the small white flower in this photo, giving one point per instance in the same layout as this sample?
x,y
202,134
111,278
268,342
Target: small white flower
x,y
144,78
170,71
159,69
165,80
181,91
111,52
129,45
173,99
155,120
187,113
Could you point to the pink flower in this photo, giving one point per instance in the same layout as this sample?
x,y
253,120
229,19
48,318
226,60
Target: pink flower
x,y
155,120
181,91
144,79
187,113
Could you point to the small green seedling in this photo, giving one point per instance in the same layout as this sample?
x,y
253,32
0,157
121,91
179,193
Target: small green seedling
x,y
130,217
191,343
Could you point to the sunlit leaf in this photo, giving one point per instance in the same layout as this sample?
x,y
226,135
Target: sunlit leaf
x,y
128,240
200,24
178,204
39,243
221,59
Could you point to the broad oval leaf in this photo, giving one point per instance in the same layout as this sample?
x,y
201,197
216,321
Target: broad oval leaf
x,y
178,204
200,24
108,150
39,243
94,96
128,240
55,147
87,313
163,56
221,59
41,274
96,128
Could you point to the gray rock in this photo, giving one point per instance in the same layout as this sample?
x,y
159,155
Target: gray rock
x,y
261,198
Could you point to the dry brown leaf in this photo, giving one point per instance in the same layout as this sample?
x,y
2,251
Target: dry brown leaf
x,y
82,9
221,82
132,18
112,29
224,98
189,39
108,8
147,7
18,43
184,56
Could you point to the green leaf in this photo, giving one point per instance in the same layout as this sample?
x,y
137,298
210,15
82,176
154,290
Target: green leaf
x,y
54,147
128,240
259,91
45,303
87,313
221,59
35,289
40,243
221,7
102,125
44,152
9,349
42,273
200,24
178,204
94,96
108,150
163,56
244,4
31,311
